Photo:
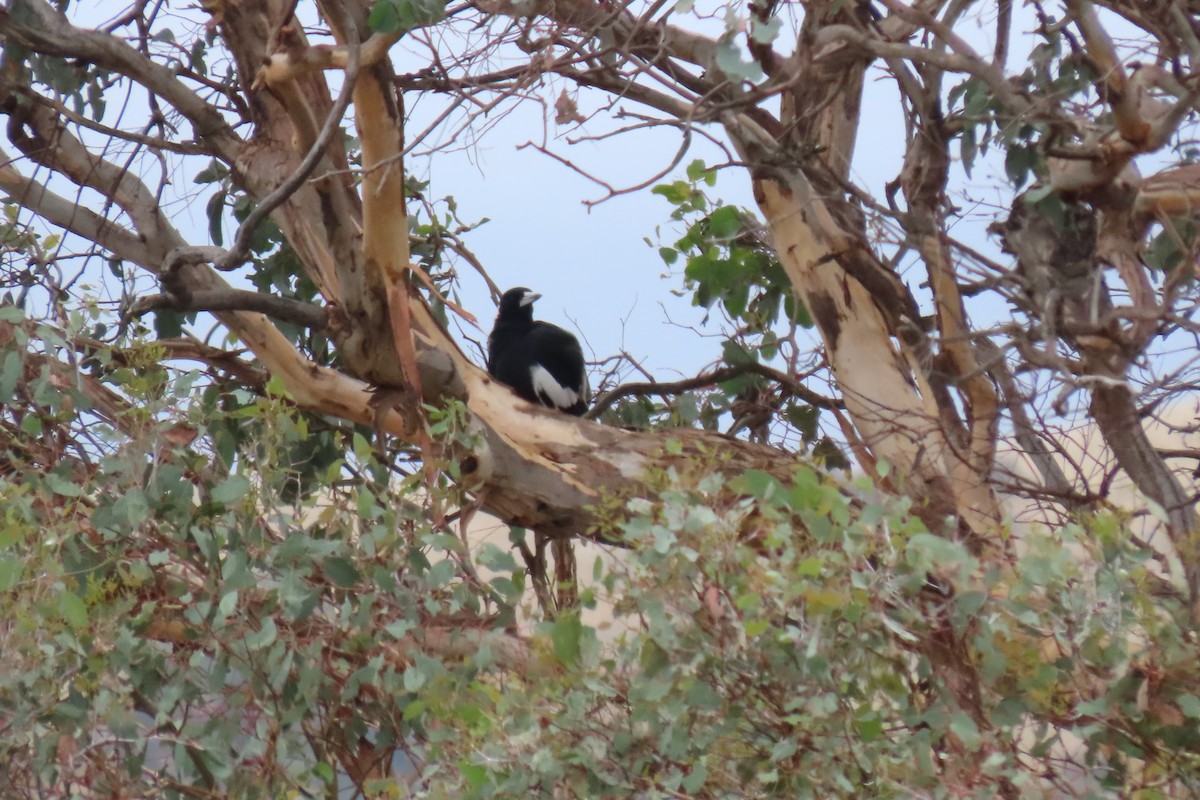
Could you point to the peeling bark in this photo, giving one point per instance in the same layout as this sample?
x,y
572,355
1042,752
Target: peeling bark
x,y
868,320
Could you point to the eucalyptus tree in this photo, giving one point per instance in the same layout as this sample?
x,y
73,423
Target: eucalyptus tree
x,y
241,531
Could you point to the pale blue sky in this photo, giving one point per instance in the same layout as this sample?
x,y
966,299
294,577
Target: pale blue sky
x,y
593,265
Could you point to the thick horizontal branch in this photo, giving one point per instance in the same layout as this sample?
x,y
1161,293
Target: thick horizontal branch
x,y
287,66
455,639
155,143
281,308
599,19
38,132
69,215
964,61
184,349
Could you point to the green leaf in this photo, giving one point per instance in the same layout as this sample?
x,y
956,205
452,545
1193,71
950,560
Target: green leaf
x,y
414,678
215,209
496,558
784,749
264,637
730,61
11,569
1163,252
757,483
1010,711
1189,704
1037,194
725,222
228,604
32,425
341,571
566,633
734,353
384,17
978,97
73,609
694,781
810,567
896,628
197,57
756,627
213,173
62,487
477,776
805,418
1019,161
765,31
688,409
168,324
10,375
230,490
965,729
677,192
870,728
400,16
968,148
926,551
968,604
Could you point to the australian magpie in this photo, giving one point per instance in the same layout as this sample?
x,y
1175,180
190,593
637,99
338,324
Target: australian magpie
x,y
541,362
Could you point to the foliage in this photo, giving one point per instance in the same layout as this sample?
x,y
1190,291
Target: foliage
x,y
220,578
176,622
780,646
728,262
178,618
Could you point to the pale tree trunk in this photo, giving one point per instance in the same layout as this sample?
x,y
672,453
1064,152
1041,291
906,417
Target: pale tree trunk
x,y
868,319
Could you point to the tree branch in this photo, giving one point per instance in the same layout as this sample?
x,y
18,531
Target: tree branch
x,y
45,30
240,251
646,389
70,216
229,299
38,133
1115,413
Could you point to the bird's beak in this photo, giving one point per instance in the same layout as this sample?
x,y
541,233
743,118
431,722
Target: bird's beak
x,y
529,299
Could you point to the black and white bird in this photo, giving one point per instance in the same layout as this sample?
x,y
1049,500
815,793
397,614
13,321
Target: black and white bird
x,y
541,362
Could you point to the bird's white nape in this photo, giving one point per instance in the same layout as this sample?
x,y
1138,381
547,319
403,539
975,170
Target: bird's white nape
x,y
544,385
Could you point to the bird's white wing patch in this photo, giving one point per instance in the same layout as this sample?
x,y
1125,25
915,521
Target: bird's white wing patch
x,y
544,385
